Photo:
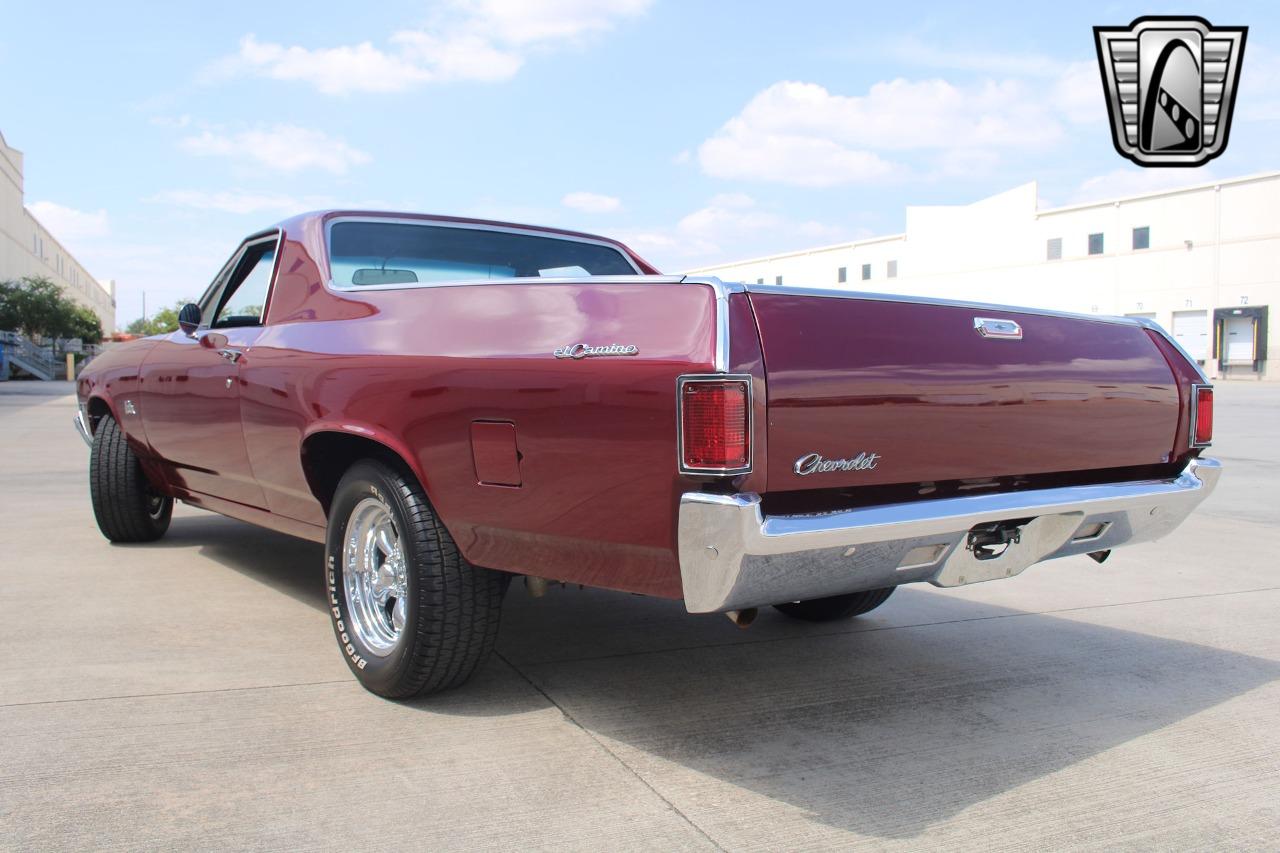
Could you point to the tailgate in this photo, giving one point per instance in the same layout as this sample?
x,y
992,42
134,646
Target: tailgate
x,y
871,391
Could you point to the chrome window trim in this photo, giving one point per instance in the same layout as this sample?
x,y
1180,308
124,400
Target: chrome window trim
x,y
215,288
686,379
1195,415
468,226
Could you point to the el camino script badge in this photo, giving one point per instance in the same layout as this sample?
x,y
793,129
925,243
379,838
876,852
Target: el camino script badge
x,y
588,351
813,463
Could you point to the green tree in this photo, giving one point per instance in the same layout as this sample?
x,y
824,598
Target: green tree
x,y
162,322
86,326
37,307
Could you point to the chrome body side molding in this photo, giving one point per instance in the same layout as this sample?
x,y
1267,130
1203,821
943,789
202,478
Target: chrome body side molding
x,y
733,557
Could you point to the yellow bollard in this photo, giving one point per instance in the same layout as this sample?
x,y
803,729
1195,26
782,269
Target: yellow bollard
x,y
71,366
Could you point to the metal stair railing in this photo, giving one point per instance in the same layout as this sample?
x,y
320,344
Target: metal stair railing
x,y
37,360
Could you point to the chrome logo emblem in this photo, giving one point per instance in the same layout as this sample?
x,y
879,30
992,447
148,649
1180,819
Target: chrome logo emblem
x,y
1171,85
587,351
814,463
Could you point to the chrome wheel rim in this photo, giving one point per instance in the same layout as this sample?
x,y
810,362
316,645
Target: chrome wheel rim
x,y
155,505
374,577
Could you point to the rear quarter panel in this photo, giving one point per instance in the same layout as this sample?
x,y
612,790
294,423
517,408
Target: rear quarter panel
x,y
596,436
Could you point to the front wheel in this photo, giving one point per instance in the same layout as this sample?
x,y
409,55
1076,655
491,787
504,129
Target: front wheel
x,y
125,505
411,615
837,606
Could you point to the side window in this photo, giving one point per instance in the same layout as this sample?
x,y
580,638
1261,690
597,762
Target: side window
x,y
244,299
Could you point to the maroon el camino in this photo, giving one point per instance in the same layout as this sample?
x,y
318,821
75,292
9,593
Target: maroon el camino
x,y
447,403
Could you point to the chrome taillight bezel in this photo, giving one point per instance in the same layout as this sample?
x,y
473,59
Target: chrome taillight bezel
x,y
1195,416
709,378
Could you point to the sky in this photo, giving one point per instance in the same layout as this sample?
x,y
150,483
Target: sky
x,y
697,132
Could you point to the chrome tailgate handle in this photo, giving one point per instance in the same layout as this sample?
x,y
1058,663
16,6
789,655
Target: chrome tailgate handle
x,y
1004,330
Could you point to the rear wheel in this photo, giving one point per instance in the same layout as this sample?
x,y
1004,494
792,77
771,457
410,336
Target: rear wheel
x,y
411,615
837,606
126,506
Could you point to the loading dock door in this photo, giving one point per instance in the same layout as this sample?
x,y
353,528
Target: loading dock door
x,y
1239,335
1191,330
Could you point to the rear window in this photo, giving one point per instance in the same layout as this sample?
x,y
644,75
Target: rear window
x,y
363,254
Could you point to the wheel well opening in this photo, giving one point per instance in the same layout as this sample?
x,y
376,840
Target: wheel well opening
x,y
96,410
326,456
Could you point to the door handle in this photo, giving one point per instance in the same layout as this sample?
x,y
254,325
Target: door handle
x,y
231,355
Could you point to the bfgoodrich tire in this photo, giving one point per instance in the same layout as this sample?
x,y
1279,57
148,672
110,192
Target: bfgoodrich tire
x,y
837,606
411,616
125,505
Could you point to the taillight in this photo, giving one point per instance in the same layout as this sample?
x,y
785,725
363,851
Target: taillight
x,y
715,424
1201,415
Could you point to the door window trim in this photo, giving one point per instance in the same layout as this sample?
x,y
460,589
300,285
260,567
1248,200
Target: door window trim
x,y
212,299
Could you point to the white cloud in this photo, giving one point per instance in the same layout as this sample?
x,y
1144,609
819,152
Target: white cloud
x,y
68,224
171,121
591,202
525,22
285,147
239,201
484,40
727,223
1123,182
1078,93
334,71
802,134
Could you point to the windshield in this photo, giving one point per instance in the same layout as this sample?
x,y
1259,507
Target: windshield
x,y
371,253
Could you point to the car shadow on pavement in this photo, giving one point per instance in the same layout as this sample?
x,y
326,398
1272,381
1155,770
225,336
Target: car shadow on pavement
x,y
283,563
883,726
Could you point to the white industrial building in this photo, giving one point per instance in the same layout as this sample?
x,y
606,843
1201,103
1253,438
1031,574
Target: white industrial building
x,y
28,249
1203,261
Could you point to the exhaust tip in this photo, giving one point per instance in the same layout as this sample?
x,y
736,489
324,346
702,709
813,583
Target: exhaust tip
x,y
1099,556
742,618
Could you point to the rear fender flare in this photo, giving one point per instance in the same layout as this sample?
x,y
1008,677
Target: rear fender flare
x,y
370,433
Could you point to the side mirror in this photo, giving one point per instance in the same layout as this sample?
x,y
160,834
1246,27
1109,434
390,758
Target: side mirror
x,y
189,319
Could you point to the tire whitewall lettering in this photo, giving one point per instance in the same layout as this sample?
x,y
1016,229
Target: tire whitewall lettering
x,y
410,614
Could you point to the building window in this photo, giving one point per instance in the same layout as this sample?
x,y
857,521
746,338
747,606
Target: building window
x,y
759,281
892,270
842,275
777,279
1142,237
1053,249
866,272
1095,244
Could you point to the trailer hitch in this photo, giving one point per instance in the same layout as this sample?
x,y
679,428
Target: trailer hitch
x,y
988,541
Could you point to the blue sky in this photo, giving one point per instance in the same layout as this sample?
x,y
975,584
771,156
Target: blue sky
x,y
697,131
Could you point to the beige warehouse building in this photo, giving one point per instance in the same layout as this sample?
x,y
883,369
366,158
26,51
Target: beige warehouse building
x,y
28,249
1203,261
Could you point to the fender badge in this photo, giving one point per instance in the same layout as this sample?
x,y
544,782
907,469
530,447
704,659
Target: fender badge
x,y
588,351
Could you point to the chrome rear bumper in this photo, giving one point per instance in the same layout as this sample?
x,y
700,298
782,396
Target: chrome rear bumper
x,y
732,557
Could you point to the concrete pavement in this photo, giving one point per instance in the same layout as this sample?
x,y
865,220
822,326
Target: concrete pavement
x,y
189,694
